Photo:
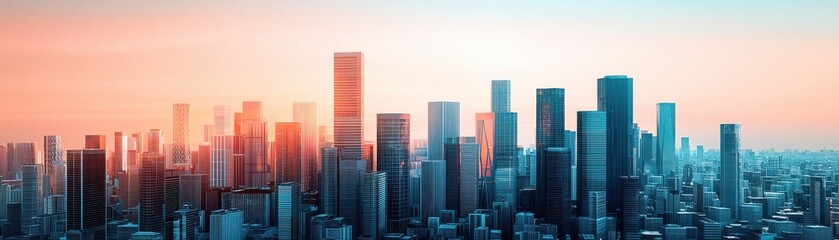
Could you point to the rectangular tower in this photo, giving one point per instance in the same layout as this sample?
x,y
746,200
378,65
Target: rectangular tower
x,y
348,73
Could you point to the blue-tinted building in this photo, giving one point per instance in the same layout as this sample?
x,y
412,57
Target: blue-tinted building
x,y
433,189
591,156
666,139
550,133
443,123
730,168
558,189
393,139
500,95
614,97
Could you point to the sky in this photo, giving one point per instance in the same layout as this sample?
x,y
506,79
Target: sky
x,y
72,68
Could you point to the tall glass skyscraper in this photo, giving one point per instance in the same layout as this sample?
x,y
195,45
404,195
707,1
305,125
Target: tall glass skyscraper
x,y
666,150
443,123
591,156
433,189
288,211
287,152
393,139
152,195
180,134
615,96
506,158
348,73
329,181
468,176
500,95
647,153
373,205
558,189
349,192
86,193
306,113
550,133
730,168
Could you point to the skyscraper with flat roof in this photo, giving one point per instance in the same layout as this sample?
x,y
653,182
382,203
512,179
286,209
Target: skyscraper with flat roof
x,y
500,95
306,113
558,188
329,181
666,139
433,193
287,152
348,73
730,168
443,123
373,205
86,193
288,211
615,97
32,194
120,157
152,193
591,155
221,161
94,141
393,138
550,133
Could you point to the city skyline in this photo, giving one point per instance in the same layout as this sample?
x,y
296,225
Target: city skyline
x,y
746,65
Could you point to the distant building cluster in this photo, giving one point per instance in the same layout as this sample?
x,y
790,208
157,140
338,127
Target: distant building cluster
x,y
607,179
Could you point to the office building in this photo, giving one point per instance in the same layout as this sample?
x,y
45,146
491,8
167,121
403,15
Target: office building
x,y
306,114
443,123
287,152
729,194
86,193
393,134
666,139
615,97
288,211
348,73
550,133
180,135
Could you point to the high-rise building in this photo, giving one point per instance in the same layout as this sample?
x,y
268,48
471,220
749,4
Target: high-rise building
x,y
443,123
729,168
32,194
226,224
154,141
433,193
666,139
4,161
684,150
256,203
287,152
629,212
591,155
288,211
818,209
485,136
329,181
373,205
94,141
647,153
500,95
180,134
550,133
306,113
558,188
452,158
222,120
193,189
256,172
505,160
349,192
18,154
120,157
221,161
152,193
393,138
469,167
53,164
86,193
348,70
615,96
186,220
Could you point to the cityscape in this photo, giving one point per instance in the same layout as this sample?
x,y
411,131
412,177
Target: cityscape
x,y
555,166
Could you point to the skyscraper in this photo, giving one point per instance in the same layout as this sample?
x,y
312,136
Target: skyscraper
x,y
18,154
666,139
152,195
443,123
94,141
348,70
255,163
550,133
469,175
288,211
506,158
630,208
221,161
500,95
349,192
306,113
226,224
222,120
647,152
818,209
485,136
615,96
329,181
32,197
373,205
452,158
287,152
729,168
558,189
120,157
53,164
180,134
154,141
433,193
684,150
393,138
86,193
591,155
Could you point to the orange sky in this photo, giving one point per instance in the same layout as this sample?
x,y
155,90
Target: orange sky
x,y
100,66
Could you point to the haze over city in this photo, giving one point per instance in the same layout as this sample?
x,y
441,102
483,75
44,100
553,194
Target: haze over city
x,y
96,67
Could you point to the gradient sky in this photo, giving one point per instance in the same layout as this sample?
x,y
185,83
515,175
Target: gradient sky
x,y
94,67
